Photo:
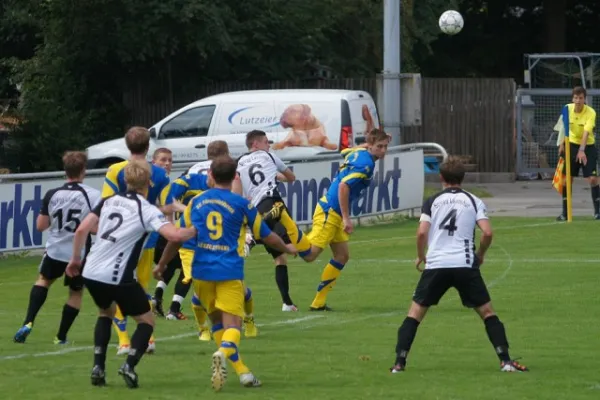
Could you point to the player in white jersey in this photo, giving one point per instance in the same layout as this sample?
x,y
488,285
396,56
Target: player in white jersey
x,y
123,222
447,229
63,209
259,172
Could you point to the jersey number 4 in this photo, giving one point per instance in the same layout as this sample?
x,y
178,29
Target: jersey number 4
x,y
449,222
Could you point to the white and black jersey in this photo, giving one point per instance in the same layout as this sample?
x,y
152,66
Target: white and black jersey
x,y
453,215
199,168
258,173
66,206
125,221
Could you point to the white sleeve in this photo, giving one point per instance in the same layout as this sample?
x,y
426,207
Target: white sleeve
x,y
278,163
481,210
153,218
95,197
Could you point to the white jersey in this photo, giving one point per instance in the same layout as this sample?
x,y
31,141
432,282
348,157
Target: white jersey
x,y
125,221
453,214
66,206
258,173
199,168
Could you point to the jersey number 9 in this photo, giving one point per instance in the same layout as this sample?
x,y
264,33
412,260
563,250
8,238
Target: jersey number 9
x,y
214,223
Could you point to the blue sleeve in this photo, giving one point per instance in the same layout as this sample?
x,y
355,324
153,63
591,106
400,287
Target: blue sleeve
x,y
257,226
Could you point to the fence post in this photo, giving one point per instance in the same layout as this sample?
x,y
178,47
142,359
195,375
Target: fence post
x,y
519,135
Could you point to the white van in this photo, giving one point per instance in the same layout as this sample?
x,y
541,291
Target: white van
x,y
298,123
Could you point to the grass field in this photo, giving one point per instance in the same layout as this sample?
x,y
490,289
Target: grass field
x,y
543,278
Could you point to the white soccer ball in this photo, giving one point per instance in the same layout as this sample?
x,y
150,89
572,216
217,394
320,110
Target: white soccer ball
x,y
451,22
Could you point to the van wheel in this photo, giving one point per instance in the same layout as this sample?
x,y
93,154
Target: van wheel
x,y
108,162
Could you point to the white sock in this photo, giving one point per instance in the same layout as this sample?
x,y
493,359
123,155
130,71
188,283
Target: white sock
x,y
161,285
178,298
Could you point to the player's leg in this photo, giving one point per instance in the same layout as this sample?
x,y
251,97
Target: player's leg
x,y
229,299
49,270
474,294
181,290
71,308
281,269
133,301
159,291
202,301
275,211
204,332
144,276
432,286
250,329
322,233
590,172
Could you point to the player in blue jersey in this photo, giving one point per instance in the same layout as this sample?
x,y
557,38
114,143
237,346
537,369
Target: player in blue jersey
x,y
220,218
332,225
137,140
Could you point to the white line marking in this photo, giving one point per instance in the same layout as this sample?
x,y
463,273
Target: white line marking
x,y
491,261
506,271
164,339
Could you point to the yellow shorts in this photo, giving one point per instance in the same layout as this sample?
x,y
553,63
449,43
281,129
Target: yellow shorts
x,y
226,296
187,257
144,268
327,228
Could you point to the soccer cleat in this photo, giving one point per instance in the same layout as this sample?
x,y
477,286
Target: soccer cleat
x,y
397,368
322,308
98,377
249,380
596,216
61,342
250,243
157,307
22,333
176,316
250,327
561,218
204,334
129,376
289,308
219,370
274,214
512,366
151,347
123,349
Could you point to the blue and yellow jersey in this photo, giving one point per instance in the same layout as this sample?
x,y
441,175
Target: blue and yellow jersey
x,y
184,189
356,172
158,191
220,217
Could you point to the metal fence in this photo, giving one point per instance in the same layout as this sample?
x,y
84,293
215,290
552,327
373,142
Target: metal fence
x,y
537,112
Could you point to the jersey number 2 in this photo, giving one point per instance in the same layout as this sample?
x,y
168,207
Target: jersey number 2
x,y
214,223
108,234
449,222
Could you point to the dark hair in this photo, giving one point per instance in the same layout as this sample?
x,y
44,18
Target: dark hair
x,y
252,136
453,170
137,140
579,90
223,170
376,135
159,151
74,163
216,149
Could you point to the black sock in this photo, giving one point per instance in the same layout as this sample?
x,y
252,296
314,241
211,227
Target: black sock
x,y
139,343
283,284
596,198
68,316
37,297
406,335
101,339
497,335
175,307
564,212
182,289
158,293
169,273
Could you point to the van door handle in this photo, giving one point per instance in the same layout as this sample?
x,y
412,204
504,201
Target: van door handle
x,y
270,142
200,146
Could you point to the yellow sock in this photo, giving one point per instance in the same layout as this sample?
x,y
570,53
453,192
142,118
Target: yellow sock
x,y
217,333
294,233
229,347
199,312
328,279
248,302
120,324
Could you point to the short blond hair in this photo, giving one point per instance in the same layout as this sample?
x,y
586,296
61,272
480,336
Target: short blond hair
x,y
137,175
137,140
74,163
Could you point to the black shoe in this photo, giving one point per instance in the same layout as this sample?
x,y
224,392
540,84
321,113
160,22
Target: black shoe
x,y
561,218
158,308
323,308
98,377
596,216
129,376
274,214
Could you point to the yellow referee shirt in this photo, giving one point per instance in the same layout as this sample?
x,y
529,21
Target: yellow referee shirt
x,y
581,122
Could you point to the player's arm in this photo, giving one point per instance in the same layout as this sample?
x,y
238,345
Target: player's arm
x,y
236,186
43,219
588,128
423,232
111,183
261,231
355,176
284,173
485,226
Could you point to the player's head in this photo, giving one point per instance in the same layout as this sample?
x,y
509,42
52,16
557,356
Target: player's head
x,y
257,140
223,170
137,176
579,94
74,163
452,171
216,149
377,142
163,157
137,140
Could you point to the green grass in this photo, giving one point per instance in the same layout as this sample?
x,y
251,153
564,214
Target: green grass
x,y
477,191
543,279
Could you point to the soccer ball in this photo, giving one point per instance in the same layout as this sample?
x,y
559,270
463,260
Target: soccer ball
x,y
451,22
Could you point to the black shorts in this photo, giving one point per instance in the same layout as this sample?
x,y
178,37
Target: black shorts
x,y
590,168
131,298
264,207
52,269
435,282
175,263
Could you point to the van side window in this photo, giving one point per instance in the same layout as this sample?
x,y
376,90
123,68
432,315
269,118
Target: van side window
x,y
190,123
